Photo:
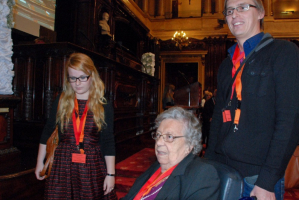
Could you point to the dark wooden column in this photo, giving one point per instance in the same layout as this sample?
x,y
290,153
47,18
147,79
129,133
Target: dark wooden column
x,y
9,155
28,90
7,104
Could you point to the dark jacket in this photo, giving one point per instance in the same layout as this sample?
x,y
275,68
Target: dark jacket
x,y
268,129
192,179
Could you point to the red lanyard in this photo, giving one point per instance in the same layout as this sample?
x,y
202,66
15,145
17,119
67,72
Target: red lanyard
x,y
78,123
237,57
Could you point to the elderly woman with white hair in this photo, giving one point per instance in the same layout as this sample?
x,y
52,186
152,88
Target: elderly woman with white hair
x,y
178,173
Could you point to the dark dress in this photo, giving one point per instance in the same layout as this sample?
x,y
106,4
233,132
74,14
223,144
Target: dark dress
x,y
70,180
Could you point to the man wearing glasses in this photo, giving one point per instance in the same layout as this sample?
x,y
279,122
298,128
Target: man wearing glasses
x,y
255,127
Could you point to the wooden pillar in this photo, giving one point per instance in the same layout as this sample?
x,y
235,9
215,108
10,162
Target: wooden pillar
x,y
208,7
28,91
151,7
168,9
16,88
145,6
161,8
49,91
267,6
219,4
9,155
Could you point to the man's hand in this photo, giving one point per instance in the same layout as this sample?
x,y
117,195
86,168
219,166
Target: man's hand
x,y
262,194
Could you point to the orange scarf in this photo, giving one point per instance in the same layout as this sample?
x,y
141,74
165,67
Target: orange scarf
x,y
154,180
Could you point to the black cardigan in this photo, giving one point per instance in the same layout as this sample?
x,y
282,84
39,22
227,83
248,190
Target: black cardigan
x,y
269,123
106,134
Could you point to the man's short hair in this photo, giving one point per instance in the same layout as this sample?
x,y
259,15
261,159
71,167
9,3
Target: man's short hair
x,y
259,6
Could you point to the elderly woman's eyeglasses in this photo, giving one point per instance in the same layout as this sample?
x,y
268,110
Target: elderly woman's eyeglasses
x,y
166,137
81,79
240,8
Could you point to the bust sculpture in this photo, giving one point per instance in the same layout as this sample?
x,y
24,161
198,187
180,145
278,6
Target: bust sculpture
x,y
104,25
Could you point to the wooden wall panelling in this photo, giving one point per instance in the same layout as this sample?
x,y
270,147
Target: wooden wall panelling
x,y
127,105
43,69
150,107
217,52
84,23
17,86
129,30
38,80
106,72
7,104
28,98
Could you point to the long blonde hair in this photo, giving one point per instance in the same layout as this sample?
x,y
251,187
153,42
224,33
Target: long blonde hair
x,y
82,62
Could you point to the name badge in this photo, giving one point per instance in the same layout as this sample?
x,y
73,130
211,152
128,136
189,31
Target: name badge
x,y
226,116
78,158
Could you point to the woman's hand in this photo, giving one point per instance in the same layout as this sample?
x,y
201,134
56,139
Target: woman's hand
x,y
40,161
39,167
109,183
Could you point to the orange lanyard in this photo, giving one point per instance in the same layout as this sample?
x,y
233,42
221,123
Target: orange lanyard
x,y
79,124
154,179
237,57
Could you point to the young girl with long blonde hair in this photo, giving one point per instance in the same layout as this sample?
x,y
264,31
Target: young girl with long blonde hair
x,y
84,161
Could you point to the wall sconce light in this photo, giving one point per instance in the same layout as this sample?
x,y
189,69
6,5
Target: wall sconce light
x,y
288,12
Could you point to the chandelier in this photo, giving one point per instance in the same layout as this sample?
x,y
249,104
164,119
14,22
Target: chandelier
x,y
180,39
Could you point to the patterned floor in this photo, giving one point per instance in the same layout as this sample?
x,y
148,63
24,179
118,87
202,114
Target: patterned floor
x,y
291,194
129,169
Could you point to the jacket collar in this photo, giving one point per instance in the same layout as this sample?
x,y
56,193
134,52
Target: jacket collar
x,y
180,169
173,181
248,45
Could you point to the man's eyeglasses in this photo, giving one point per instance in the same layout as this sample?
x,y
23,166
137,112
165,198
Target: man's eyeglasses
x,y
81,79
166,137
240,8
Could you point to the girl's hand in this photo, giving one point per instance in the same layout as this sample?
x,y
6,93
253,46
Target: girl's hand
x,y
39,167
109,183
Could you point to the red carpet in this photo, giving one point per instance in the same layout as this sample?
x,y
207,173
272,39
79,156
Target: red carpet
x,y
291,194
129,169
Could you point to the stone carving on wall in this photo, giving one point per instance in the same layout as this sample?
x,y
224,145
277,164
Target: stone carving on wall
x,y
148,61
104,24
6,66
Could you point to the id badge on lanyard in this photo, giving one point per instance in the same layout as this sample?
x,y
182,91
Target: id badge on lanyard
x,y
226,116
